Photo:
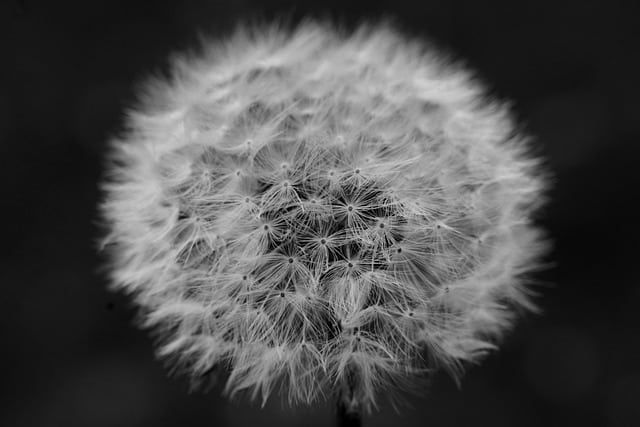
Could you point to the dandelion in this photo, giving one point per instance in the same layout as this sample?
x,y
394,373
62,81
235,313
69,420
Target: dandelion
x,y
322,213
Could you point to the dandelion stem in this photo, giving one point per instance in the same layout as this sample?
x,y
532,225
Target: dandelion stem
x,y
348,409
346,416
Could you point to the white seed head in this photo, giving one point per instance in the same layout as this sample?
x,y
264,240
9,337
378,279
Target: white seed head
x,y
312,209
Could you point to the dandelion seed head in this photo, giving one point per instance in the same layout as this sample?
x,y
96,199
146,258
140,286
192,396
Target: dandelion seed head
x,y
311,209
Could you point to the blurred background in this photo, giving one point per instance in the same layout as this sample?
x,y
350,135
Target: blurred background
x,y
71,356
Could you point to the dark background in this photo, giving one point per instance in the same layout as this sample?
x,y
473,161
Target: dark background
x,y
70,355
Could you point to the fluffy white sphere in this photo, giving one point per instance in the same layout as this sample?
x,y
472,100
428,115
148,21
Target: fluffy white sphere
x,y
319,211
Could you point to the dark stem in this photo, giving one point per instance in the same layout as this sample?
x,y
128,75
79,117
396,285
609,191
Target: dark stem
x,y
347,417
348,409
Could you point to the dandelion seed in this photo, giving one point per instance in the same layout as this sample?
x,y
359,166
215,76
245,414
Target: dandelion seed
x,y
325,212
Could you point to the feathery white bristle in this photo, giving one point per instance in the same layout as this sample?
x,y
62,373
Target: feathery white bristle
x,y
312,210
